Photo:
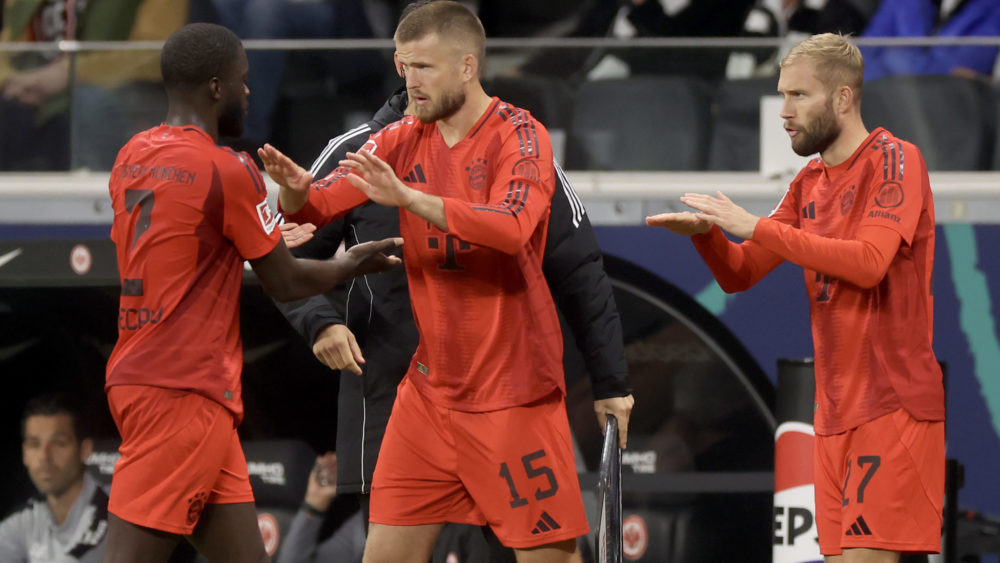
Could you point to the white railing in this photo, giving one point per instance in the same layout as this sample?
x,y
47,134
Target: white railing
x,y
612,198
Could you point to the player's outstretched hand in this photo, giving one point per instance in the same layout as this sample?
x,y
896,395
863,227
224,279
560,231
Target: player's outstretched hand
x,y
283,170
370,257
293,179
322,487
683,223
621,408
722,211
296,234
337,348
377,180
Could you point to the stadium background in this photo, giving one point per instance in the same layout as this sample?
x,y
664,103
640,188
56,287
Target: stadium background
x,y
70,317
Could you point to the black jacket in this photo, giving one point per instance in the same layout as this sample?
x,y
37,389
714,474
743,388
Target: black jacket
x,y
376,308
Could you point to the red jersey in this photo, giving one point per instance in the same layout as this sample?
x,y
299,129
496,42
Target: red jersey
x,y
187,214
489,334
872,345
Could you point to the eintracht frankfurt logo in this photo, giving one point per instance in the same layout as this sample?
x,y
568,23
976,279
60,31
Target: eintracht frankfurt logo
x,y
635,537
268,525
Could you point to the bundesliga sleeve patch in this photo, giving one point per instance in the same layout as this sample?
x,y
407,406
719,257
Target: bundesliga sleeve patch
x,y
370,146
268,219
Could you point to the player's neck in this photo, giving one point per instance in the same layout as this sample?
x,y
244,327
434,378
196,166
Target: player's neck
x,y
61,504
181,115
851,136
456,127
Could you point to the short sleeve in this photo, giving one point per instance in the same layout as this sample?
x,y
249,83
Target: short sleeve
x,y
248,219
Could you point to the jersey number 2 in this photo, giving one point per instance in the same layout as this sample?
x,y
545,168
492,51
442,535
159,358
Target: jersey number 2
x,y
873,462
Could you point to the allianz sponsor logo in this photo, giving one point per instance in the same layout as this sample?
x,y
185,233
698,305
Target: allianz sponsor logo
x,y
272,473
640,462
104,461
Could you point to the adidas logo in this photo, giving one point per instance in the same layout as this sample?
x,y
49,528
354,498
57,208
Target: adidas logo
x,y
859,528
416,176
545,524
809,211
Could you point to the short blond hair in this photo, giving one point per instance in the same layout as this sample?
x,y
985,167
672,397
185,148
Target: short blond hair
x,y
448,19
838,61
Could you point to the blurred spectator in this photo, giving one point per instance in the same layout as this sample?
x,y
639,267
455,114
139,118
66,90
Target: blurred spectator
x,y
319,531
933,18
647,18
782,18
59,111
67,521
308,538
293,19
777,18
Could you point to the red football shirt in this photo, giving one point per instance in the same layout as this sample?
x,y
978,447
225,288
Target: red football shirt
x,y
186,214
872,345
489,334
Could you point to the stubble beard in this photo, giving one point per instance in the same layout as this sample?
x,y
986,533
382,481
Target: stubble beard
x,y
818,137
450,103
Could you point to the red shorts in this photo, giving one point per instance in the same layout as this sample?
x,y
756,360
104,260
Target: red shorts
x,y
512,468
179,452
881,486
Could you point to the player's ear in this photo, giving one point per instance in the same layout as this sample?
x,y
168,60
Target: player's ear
x,y
470,67
845,98
215,88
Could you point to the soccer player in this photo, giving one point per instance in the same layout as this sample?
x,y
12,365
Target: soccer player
x,y
478,432
860,221
368,329
68,521
187,213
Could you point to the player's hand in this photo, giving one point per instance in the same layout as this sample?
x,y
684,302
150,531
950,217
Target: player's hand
x,y
621,408
322,487
721,211
336,348
296,234
293,179
683,223
370,257
377,180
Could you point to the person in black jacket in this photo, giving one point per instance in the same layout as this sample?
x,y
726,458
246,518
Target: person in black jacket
x,y
367,328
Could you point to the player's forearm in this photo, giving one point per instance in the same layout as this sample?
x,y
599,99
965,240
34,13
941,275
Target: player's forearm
x,y
428,207
312,277
862,262
291,201
737,267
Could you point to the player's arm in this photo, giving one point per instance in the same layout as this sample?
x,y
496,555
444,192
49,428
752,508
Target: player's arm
x,y
320,319
862,262
333,195
519,197
736,267
286,278
574,269
373,177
